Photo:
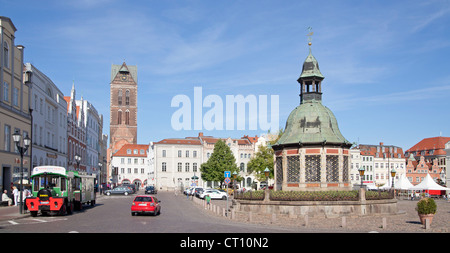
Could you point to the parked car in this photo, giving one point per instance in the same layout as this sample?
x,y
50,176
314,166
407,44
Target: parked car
x,y
198,191
150,190
132,186
119,190
214,194
143,204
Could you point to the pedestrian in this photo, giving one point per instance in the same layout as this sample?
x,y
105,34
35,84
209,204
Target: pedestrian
x,y
16,195
6,198
208,200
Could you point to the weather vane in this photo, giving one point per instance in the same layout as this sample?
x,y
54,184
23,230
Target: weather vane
x,y
309,35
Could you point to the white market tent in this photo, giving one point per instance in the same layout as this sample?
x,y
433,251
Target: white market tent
x,y
428,184
402,184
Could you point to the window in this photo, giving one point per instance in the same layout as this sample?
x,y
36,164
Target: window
x,y
119,98
194,167
194,153
127,97
163,153
127,117
135,151
5,91
180,167
128,151
186,167
164,167
15,98
6,54
179,153
119,117
122,160
7,138
187,153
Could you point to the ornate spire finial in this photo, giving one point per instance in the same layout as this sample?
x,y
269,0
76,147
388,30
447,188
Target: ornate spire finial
x,y
309,35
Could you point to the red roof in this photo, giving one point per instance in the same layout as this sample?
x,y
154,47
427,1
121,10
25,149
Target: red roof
x,y
433,143
246,140
180,141
376,151
131,147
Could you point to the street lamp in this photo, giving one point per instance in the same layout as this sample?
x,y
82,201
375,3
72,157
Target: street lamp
x,y
22,149
99,176
78,160
393,175
234,182
361,174
267,173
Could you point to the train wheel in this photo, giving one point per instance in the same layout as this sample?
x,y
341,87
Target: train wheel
x,y
63,209
70,208
33,213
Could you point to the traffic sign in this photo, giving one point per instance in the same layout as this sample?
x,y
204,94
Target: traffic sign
x,y
227,174
227,181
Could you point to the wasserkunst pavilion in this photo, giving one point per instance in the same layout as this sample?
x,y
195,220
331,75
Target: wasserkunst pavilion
x,y
312,154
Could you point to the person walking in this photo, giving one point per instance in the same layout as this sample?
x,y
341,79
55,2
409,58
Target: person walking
x,y
208,201
16,195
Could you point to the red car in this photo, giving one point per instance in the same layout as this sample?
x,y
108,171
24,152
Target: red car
x,y
145,204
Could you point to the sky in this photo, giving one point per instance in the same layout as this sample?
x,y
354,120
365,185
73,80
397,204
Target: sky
x,y
386,63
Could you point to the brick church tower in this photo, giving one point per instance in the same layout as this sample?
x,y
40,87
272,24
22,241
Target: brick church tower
x,y
123,107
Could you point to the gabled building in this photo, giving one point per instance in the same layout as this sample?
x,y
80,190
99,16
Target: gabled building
x,y
417,170
76,133
433,151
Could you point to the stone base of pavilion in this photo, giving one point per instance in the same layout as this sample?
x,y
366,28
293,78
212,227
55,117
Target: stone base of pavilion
x,y
328,209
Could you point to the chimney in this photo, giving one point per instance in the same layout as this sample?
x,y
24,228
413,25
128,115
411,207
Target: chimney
x,y
200,134
381,143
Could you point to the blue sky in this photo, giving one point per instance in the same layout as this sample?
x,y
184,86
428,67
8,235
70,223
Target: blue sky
x,y
386,63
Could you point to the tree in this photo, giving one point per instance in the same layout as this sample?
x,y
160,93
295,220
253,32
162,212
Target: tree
x,y
261,160
221,160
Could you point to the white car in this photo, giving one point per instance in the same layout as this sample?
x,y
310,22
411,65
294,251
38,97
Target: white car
x,y
214,194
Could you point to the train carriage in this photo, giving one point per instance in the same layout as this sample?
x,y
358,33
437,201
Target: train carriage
x,y
58,191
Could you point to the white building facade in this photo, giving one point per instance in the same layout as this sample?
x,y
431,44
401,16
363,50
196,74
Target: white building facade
x,y
178,160
49,121
134,165
377,161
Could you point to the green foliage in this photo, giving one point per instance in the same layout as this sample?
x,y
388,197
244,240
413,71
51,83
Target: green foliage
x,y
426,206
260,161
314,195
221,160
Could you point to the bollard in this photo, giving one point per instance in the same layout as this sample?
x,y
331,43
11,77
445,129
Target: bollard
x,y
384,223
274,218
344,222
427,223
250,217
306,220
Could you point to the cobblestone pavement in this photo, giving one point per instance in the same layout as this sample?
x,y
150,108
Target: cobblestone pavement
x,y
406,220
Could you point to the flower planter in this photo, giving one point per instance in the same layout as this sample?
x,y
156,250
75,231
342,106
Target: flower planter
x,y
423,217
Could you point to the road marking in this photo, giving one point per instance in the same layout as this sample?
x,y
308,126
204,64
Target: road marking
x,y
13,222
39,220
